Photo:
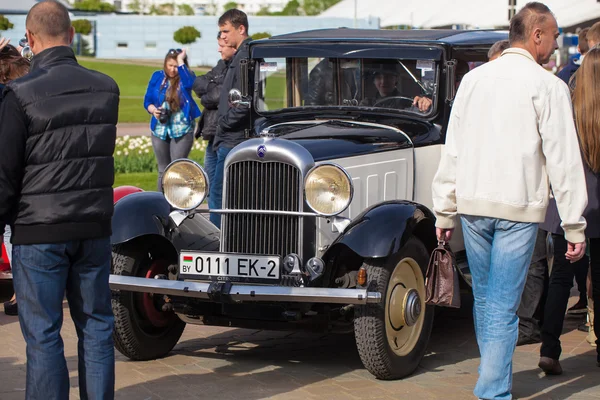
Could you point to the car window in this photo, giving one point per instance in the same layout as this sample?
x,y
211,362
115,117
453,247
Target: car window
x,y
391,84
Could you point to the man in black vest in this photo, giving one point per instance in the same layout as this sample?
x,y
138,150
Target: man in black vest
x,y
57,138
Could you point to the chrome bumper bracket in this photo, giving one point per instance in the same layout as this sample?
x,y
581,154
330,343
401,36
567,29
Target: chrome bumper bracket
x,y
237,292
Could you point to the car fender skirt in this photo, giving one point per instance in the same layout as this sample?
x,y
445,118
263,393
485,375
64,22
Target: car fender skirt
x,y
220,292
139,214
382,230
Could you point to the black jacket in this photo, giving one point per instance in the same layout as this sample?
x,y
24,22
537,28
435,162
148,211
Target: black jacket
x,y
208,89
232,121
57,138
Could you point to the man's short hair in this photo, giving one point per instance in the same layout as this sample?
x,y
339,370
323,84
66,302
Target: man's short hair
x,y
49,20
582,38
235,17
593,34
498,48
531,15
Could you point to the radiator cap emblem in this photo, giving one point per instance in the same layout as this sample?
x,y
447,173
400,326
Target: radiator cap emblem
x,y
261,151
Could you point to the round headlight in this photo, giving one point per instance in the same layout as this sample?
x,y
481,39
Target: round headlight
x,y
185,184
328,189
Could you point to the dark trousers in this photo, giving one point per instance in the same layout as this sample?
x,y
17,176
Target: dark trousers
x,y
533,299
561,282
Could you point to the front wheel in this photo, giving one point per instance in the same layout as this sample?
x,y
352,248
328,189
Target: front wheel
x,y
392,336
142,330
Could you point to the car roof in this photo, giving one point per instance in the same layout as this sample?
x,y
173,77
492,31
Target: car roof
x,y
449,36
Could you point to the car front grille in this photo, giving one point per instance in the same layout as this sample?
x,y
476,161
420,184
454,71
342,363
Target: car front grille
x,y
253,185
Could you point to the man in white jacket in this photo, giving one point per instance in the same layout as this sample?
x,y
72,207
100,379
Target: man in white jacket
x,y
510,137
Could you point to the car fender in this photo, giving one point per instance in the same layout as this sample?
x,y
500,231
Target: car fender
x,y
382,230
122,191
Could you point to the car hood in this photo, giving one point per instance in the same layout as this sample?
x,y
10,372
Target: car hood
x,y
337,138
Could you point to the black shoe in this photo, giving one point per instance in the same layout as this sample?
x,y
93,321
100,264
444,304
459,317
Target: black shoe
x,y
550,366
579,308
583,327
523,340
11,308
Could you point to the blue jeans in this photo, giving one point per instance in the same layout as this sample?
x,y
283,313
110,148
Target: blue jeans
x,y
499,254
210,161
42,274
215,199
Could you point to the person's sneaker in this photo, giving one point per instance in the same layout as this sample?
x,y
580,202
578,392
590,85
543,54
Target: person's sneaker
x,y
550,366
11,308
579,308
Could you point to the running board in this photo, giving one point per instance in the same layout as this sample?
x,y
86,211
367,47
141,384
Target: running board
x,y
221,291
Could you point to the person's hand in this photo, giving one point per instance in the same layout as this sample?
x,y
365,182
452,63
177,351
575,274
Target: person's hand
x,y
156,112
423,103
181,57
575,251
3,42
444,235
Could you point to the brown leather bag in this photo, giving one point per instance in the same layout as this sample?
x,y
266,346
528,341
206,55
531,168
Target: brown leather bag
x,y
441,279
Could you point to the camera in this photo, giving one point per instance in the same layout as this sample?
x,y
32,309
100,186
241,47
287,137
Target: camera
x,y
164,116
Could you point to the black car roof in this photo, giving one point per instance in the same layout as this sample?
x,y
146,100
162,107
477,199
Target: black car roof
x,y
449,36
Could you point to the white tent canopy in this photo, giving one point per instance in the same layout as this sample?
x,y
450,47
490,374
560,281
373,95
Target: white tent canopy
x,y
471,13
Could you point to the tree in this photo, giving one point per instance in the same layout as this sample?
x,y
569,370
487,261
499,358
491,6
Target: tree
x,y
291,8
316,7
82,26
261,35
137,6
185,9
5,24
186,35
264,11
94,5
229,5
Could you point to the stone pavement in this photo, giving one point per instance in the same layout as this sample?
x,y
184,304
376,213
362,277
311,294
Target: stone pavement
x,y
228,363
134,129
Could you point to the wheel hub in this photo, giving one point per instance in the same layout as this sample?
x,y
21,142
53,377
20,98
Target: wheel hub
x,y
412,307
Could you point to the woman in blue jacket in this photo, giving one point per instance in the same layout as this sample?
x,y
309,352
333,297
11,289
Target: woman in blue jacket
x,y
169,100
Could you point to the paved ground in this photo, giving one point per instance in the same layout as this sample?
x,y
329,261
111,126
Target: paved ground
x,y
134,129
225,363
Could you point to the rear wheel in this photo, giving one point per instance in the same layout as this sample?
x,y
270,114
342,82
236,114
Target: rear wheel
x,y
142,330
392,336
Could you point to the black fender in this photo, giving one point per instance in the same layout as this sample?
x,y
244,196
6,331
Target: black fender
x,y
382,229
145,216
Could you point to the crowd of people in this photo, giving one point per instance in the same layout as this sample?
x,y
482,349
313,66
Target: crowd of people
x,y
58,134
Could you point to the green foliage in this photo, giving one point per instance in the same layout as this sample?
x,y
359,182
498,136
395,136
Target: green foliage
x,y
185,9
229,5
94,5
82,26
316,7
186,35
5,24
136,6
261,35
291,8
264,10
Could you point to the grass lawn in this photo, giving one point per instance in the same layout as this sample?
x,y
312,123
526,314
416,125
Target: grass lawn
x,y
143,180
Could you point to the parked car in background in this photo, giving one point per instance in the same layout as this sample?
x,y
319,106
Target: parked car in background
x,y
326,217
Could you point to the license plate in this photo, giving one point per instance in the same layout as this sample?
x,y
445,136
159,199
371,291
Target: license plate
x,y
229,267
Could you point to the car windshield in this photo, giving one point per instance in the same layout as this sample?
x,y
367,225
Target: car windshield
x,y
390,84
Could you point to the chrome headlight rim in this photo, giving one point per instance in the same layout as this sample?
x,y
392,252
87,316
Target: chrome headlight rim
x,y
346,174
204,174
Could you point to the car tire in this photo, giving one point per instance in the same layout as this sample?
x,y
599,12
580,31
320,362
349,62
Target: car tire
x,y
391,338
142,332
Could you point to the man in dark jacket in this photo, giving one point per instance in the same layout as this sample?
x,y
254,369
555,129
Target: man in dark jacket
x,y
208,89
569,70
233,121
56,173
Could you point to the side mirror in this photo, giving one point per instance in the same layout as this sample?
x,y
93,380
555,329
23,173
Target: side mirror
x,y
237,100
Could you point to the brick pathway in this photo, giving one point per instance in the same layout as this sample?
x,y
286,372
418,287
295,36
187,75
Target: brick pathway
x,y
225,363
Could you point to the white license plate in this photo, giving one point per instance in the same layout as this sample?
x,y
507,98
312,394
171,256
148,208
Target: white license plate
x,y
229,267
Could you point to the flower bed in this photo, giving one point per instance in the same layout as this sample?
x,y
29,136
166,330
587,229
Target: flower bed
x,y
135,154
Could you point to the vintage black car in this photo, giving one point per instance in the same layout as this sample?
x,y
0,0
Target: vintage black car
x,y
326,216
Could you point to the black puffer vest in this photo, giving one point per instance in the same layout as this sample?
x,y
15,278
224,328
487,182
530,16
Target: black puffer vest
x,y
72,113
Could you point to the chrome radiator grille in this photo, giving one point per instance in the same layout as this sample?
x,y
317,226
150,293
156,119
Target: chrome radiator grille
x,y
253,185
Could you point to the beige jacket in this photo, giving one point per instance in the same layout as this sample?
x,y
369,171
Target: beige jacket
x,y
510,136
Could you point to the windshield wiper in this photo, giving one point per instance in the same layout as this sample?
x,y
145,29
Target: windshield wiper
x,y
418,82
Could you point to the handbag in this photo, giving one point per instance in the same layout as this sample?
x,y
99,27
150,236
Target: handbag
x,y
441,280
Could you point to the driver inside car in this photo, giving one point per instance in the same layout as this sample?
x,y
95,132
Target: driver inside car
x,y
385,78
